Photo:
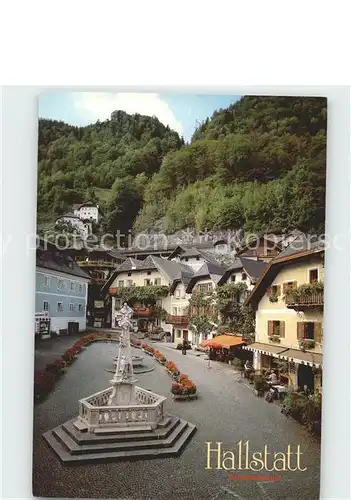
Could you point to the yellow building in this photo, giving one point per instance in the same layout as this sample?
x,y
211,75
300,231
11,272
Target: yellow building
x,y
163,280
288,300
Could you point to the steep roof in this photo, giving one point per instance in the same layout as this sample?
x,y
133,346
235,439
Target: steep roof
x,y
254,268
49,256
171,270
299,244
208,269
276,265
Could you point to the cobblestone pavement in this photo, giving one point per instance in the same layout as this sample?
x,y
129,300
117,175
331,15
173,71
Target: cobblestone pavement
x,y
225,411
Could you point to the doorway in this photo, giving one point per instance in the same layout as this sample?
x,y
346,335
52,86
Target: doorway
x,y
305,377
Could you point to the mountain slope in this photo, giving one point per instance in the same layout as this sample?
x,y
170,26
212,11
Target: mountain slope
x,y
74,161
258,164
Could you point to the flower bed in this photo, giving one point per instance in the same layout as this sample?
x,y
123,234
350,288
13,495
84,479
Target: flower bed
x,y
160,357
44,380
148,349
182,387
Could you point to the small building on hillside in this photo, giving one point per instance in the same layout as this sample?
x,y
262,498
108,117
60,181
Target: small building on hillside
x,y
61,292
87,211
70,223
289,302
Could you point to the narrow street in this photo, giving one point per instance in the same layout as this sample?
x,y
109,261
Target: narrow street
x,y
226,411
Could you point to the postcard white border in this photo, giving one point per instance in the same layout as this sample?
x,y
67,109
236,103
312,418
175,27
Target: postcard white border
x,y
19,155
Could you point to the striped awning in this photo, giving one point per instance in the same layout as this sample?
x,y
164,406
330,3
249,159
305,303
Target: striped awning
x,y
268,349
302,358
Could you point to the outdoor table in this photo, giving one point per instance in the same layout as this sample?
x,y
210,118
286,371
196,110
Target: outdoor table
x,y
281,389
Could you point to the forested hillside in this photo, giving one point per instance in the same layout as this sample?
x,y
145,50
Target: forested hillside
x,y
259,164
120,154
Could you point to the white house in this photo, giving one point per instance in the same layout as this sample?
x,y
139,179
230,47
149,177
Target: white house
x,y
87,211
84,229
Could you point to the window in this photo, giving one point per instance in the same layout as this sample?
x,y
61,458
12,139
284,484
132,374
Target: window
x,y
121,284
80,288
313,275
147,282
288,285
309,331
233,277
60,283
174,312
46,281
197,257
276,328
80,307
243,276
71,307
46,305
129,274
275,290
129,283
158,281
177,294
72,285
118,304
186,259
59,306
148,273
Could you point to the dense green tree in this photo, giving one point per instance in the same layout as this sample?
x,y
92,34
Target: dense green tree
x,y
259,164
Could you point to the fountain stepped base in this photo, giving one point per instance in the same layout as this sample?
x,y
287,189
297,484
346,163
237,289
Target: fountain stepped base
x,y
73,446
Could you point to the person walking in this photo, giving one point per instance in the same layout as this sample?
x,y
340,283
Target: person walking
x,y
184,347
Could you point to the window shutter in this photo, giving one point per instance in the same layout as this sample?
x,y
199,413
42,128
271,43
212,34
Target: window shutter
x,y
318,332
269,291
300,330
282,329
270,328
278,289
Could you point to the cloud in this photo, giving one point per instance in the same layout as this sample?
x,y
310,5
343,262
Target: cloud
x,y
100,105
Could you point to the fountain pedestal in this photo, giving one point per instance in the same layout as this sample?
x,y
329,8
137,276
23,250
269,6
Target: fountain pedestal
x,y
122,422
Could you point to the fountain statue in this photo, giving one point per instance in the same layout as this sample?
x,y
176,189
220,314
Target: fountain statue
x,y
123,382
121,422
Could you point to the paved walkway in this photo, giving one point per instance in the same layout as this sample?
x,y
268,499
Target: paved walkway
x,y
225,411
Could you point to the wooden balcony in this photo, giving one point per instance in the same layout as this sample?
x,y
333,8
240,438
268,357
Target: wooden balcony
x,y
144,312
310,300
98,281
177,320
95,263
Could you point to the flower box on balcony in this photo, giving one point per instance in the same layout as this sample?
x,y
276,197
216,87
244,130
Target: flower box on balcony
x,y
273,298
274,338
306,344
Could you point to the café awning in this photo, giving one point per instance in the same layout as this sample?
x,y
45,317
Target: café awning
x,y
302,358
268,349
224,341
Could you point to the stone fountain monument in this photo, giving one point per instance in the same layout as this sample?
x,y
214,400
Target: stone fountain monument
x,y
122,422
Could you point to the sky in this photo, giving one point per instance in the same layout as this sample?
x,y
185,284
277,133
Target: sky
x,y
182,112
